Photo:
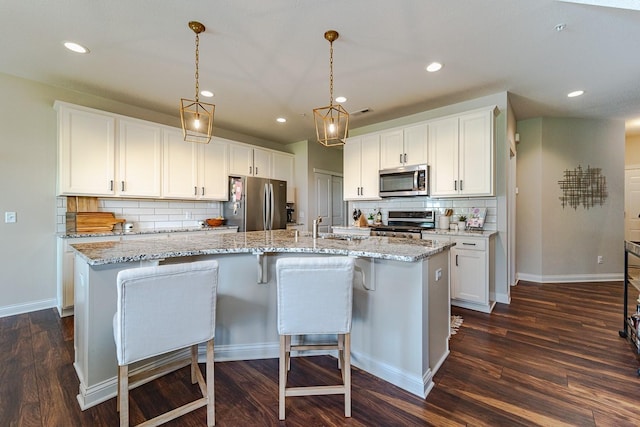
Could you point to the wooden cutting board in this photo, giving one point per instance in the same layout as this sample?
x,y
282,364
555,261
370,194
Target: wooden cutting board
x,y
82,204
96,221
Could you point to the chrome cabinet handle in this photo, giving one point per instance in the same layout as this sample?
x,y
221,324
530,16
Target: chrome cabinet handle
x,y
456,260
455,185
250,170
195,191
405,157
111,185
121,185
203,191
468,244
460,185
256,170
400,157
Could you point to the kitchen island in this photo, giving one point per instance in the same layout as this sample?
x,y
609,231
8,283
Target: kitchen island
x,y
400,327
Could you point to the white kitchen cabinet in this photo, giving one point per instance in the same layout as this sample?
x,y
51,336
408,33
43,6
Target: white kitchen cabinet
x,y
86,151
472,275
95,160
461,151
283,169
361,163
246,160
65,267
194,171
139,159
404,147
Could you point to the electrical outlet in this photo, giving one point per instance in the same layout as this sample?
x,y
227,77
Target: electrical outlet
x,y
600,259
438,274
9,217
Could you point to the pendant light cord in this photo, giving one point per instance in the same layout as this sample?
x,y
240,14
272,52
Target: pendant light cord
x,y
197,65
331,74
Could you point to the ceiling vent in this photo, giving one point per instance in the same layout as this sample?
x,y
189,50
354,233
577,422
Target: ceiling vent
x,y
361,112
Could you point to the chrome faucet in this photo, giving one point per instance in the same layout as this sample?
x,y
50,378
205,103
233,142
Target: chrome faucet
x,y
315,226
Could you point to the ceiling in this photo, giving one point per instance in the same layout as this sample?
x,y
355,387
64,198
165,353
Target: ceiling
x,y
268,59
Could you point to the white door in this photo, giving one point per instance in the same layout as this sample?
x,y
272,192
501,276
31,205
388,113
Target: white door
x,y
632,204
323,201
338,206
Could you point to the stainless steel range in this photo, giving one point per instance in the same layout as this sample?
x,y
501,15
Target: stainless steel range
x,y
407,224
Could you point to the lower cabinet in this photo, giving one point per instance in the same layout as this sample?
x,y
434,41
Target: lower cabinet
x,y
472,274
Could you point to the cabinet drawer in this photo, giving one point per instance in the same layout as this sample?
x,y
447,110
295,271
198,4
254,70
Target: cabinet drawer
x,y
470,243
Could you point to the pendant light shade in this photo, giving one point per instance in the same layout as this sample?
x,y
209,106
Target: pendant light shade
x,y
196,116
332,121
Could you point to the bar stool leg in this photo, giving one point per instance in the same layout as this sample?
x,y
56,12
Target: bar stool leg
x,y
282,383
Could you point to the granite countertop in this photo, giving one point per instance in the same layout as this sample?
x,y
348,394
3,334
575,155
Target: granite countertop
x,y
278,241
470,233
76,235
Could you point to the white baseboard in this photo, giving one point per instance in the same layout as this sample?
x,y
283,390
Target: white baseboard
x,y
571,278
419,385
12,310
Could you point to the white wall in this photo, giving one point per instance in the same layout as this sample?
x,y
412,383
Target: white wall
x,y
557,244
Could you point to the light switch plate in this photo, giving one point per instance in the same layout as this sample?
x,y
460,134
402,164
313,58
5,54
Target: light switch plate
x,y
9,217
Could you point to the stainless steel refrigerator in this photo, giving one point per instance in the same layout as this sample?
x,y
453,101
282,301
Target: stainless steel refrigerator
x,y
256,203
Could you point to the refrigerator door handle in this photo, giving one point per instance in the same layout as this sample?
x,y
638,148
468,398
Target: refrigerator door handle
x,y
272,206
265,206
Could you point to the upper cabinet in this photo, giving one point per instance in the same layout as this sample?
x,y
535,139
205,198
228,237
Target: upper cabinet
x,y
461,152
86,152
246,160
139,157
361,158
194,171
283,164
104,154
403,147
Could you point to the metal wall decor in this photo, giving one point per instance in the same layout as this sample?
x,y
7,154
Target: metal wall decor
x,y
583,187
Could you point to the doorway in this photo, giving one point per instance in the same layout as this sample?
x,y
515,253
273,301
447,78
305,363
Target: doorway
x,y
330,206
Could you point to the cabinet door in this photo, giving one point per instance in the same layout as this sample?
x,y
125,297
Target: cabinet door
x,y
392,153
468,275
86,150
370,167
212,170
416,144
179,179
283,170
443,156
351,159
240,160
139,168
476,154
261,163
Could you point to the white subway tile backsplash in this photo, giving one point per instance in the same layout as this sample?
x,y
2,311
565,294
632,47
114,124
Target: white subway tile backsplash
x,y
459,206
149,214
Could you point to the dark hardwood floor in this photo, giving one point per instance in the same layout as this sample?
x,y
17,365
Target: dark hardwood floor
x,y
552,357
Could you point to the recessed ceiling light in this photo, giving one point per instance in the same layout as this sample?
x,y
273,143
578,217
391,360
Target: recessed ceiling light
x,y
75,47
433,67
281,120
341,99
575,93
206,93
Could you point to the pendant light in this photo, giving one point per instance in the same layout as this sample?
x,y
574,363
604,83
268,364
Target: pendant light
x,y
196,116
332,122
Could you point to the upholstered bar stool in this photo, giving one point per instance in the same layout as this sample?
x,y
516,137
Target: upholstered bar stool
x,y
315,297
162,309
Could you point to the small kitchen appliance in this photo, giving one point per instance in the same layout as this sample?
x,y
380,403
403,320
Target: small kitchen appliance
x,y
407,224
404,181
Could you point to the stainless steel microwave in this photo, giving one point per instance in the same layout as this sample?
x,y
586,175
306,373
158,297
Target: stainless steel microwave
x,y
404,181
